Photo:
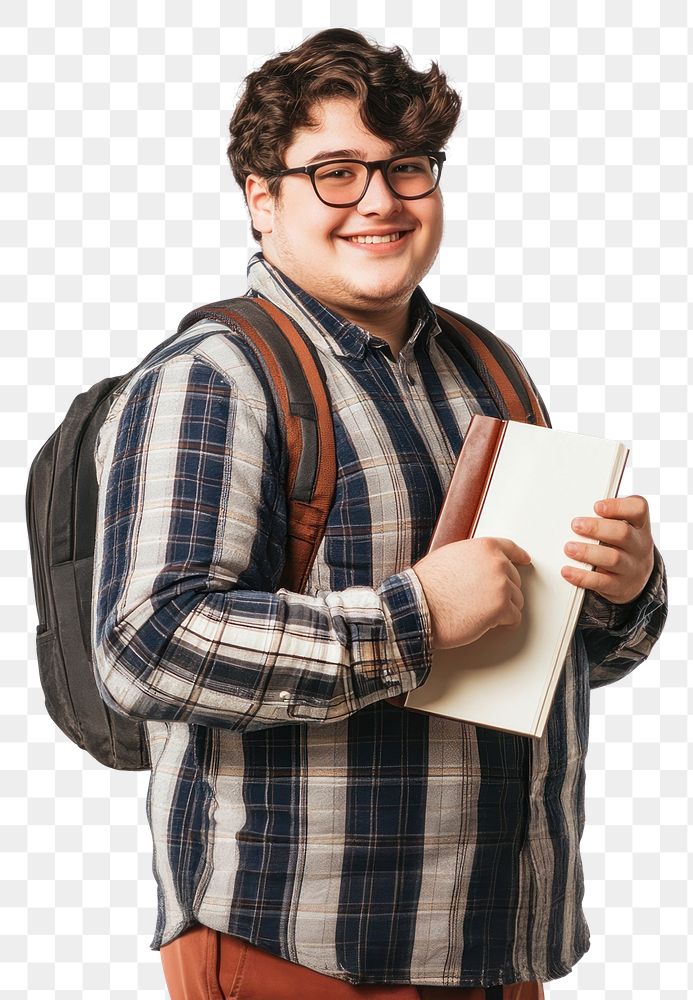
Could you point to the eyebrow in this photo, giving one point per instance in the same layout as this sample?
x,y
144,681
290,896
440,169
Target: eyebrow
x,y
335,154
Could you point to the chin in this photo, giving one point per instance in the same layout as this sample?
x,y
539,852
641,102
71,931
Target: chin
x,y
386,297
385,285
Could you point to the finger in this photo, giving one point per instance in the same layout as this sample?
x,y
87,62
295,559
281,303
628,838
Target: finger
x,y
606,584
514,574
513,551
517,598
513,612
618,533
633,509
606,557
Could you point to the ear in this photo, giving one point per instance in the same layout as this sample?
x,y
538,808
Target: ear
x,y
260,203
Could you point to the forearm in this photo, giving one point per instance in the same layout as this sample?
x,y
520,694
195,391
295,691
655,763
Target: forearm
x,y
246,660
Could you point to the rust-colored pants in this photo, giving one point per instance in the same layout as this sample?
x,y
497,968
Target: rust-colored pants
x,y
203,964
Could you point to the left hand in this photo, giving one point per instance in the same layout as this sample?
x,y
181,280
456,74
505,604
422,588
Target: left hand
x,y
624,558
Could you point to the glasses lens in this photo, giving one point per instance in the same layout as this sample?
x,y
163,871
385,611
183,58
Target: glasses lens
x,y
340,183
413,176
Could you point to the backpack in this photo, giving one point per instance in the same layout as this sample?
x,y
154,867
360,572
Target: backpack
x,y
62,498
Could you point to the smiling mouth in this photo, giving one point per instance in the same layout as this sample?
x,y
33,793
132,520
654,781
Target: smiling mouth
x,y
371,240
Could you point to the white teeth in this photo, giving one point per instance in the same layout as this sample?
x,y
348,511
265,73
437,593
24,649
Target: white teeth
x,y
389,238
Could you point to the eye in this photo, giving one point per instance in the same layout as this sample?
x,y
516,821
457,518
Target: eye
x,y
339,172
410,168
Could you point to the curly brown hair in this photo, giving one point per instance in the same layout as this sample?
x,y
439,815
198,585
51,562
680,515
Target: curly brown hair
x,y
411,109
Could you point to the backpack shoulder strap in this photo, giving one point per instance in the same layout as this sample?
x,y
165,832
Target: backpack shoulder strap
x,y
507,380
292,364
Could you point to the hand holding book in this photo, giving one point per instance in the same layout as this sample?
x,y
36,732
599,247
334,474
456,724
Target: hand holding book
x,y
623,557
472,586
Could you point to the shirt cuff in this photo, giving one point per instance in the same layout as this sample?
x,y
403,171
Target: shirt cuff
x,y
599,612
407,659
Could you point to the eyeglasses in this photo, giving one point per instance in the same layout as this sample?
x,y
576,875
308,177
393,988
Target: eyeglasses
x,y
343,183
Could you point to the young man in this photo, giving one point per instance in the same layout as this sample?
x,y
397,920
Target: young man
x,y
310,837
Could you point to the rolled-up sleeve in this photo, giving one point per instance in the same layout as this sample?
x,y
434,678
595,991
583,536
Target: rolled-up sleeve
x,y
187,621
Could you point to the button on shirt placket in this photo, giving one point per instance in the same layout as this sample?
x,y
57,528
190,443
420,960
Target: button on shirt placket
x,y
402,364
405,370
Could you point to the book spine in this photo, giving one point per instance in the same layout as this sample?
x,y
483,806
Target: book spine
x,y
489,475
470,480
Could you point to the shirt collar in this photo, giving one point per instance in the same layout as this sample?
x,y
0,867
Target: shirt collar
x,y
335,333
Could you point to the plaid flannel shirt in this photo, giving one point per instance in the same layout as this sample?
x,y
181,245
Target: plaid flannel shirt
x,y
290,804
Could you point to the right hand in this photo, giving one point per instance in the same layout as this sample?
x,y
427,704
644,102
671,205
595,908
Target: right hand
x,y
472,586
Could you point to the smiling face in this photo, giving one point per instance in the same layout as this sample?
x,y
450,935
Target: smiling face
x,y
368,283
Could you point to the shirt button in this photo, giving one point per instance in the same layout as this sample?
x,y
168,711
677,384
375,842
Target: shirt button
x,y
284,695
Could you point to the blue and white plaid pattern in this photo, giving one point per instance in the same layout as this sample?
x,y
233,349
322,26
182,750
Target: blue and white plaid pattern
x,y
289,803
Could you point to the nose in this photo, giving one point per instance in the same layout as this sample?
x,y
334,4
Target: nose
x,y
378,199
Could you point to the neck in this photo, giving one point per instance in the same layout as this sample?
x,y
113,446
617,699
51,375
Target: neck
x,y
392,326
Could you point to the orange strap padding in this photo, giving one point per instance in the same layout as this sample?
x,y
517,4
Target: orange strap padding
x,y
306,520
490,368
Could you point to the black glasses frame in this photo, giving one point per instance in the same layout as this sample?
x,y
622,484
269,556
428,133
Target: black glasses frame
x,y
371,166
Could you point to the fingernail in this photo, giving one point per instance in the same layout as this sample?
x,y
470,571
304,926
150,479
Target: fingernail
x,y
578,524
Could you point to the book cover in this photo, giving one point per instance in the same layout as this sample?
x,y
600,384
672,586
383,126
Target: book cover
x,y
524,482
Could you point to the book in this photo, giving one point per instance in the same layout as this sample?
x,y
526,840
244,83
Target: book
x,y
527,483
